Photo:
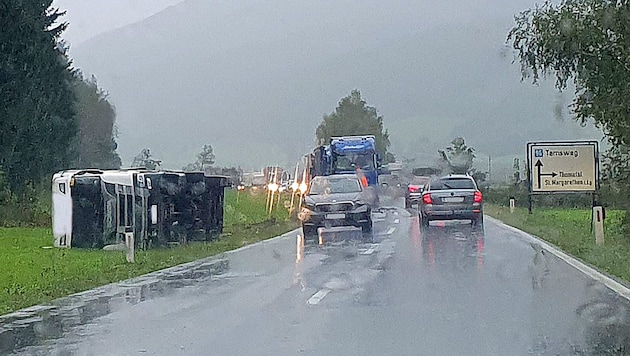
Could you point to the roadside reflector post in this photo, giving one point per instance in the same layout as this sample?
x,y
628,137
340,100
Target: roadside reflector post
x,y
512,205
129,243
598,225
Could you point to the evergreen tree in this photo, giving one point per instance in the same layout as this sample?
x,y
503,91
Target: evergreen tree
x,y
37,119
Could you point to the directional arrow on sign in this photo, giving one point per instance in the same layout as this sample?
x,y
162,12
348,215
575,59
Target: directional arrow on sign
x,y
539,165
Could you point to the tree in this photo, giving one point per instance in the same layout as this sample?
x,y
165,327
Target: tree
x,y
145,159
205,158
204,162
457,158
37,119
586,41
96,144
354,117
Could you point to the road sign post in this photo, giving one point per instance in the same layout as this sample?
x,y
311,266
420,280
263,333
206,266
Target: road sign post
x,y
565,167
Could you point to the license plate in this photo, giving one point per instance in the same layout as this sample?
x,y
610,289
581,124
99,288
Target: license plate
x,y
453,199
335,216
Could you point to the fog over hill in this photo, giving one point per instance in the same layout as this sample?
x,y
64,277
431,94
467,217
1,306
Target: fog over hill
x,y
254,78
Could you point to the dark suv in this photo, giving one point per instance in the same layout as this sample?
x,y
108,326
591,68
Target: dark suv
x,y
336,200
452,197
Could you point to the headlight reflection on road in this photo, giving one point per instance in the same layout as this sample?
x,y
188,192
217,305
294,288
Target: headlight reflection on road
x,y
298,272
299,248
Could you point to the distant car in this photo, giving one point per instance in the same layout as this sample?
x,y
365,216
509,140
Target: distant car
x,y
336,200
452,197
413,194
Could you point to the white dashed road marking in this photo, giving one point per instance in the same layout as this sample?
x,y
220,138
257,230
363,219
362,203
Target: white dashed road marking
x,y
368,251
391,230
317,297
396,221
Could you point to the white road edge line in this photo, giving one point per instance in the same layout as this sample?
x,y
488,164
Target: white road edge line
x,y
317,297
572,261
391,230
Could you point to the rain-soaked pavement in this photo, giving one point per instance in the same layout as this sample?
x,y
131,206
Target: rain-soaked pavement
x,y
447,291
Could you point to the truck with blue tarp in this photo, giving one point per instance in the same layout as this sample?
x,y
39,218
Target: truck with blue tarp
x,y
347,154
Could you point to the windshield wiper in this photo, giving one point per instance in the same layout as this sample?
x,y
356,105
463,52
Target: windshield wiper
x,y
448,186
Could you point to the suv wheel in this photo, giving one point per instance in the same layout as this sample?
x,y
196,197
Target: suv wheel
x,y
310,233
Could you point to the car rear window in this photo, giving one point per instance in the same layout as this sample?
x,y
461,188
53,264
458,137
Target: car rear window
x,y
420,180
453,183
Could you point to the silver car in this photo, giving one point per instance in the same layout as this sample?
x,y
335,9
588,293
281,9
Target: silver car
x,y
452,197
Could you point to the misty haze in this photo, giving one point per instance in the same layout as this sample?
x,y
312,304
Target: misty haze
x,y
254,79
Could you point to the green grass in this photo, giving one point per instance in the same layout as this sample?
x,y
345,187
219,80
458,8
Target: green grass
x,y
33,272
570,230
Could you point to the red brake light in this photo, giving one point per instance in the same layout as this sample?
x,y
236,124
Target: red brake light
x,y
427,199
413,188
478,197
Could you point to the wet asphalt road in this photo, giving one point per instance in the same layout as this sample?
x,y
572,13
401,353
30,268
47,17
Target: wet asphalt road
x,y
446,291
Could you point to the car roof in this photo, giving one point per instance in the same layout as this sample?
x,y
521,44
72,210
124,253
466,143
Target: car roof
x,y
458,176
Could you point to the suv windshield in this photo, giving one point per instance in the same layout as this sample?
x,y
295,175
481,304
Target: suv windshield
x,y
327,185
453,183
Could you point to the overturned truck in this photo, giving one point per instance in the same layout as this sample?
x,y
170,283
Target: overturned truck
x,y
94,208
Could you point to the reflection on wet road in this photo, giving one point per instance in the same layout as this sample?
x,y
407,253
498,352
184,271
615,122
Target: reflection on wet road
x,y
448,290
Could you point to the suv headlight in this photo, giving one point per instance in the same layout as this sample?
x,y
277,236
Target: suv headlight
x,y
360,207
305,213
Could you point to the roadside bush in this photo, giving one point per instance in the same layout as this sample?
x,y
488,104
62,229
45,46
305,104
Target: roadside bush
x,y
31,208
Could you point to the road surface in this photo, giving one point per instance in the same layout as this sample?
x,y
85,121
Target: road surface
x,y
446,291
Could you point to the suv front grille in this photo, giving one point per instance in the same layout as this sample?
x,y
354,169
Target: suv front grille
x,y
334,207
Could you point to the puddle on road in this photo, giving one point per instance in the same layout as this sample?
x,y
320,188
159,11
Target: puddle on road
x,y
38,324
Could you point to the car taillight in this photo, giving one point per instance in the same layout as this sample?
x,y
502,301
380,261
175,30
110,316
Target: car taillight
x,y
427,199
478,197
413,189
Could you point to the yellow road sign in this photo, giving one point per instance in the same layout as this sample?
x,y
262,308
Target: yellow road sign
x,y
563,166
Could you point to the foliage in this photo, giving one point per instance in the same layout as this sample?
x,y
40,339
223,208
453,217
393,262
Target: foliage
x,y
588,41
145,159
457,158
38,123
354,117
96,147
204,162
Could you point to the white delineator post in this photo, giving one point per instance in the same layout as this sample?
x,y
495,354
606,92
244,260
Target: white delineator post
x,y
512,205
129,243
598,224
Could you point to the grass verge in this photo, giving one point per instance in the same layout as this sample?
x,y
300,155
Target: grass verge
x,y
570,230
33,272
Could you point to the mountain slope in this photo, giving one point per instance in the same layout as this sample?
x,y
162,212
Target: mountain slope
x,y
253,78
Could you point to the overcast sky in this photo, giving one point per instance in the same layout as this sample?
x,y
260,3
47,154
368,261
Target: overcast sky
x,y
89,18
